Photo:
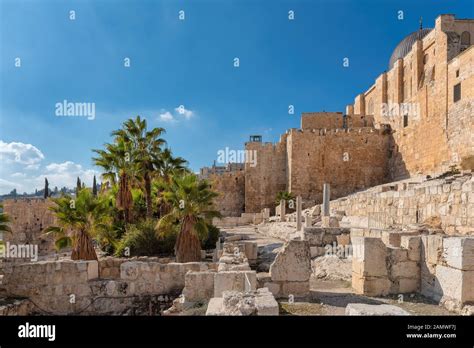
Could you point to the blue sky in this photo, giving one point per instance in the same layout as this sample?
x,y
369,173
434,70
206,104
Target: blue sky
x,y
190,63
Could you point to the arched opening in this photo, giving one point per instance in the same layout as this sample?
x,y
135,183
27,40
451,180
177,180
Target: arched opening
x,y
465,38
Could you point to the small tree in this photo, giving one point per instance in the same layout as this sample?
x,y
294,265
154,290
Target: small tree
x,y
46,188
192,205
94,187
79,218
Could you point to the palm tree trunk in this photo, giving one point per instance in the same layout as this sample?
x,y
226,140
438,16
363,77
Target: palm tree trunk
x,y
124,199
83,248
149,204
188,246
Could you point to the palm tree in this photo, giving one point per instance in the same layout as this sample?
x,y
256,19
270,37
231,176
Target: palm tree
x,y
168,166
118,167
145,153
78,219
192,206
4,221
286,196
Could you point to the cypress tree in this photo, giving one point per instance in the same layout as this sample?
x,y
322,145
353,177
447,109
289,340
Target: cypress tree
x,y
94,187
46,188
78,185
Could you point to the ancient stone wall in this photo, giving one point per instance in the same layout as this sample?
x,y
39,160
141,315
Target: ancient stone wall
x,y
76,287
231,189
29,217
269,176
449,200
460,127
424,82
347,159
438,266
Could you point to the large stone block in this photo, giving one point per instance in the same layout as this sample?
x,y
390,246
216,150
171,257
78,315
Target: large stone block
x,y
266,303
92,270
234,281
370,286
367,309
455,284
432,248
198,286
369,257
215,306
407,269
413,245
292,263
129,270
458,252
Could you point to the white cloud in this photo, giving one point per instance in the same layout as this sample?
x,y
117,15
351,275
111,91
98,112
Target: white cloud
x,y
18,175
167,117
20,153
181,110
65,174
7,186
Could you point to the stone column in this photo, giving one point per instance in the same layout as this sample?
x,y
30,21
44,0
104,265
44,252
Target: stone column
x,y
326,199
298,213
308,221
282,210
266,214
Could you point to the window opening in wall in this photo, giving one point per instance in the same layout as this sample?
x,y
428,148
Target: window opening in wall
x,y
457,92
405,121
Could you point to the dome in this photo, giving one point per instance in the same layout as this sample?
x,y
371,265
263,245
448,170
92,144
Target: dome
x,y
404,46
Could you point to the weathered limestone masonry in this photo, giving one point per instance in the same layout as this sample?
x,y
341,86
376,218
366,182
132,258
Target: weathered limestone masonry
x,y
231,188
232,289
75,287
451,200
427,76
428,89
243,219
440,267
29,218
347,158
290,272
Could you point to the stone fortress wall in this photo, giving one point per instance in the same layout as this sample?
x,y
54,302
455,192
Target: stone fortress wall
x,y
406,124
440,134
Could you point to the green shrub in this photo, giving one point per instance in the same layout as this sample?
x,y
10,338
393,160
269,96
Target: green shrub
x,y
142,240
212,236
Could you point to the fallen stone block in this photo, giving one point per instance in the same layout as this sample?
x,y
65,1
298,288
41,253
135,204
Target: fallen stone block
x,y
368,309
234,303
292,263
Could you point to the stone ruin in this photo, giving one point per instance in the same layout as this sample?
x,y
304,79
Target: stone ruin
x,y
390,234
